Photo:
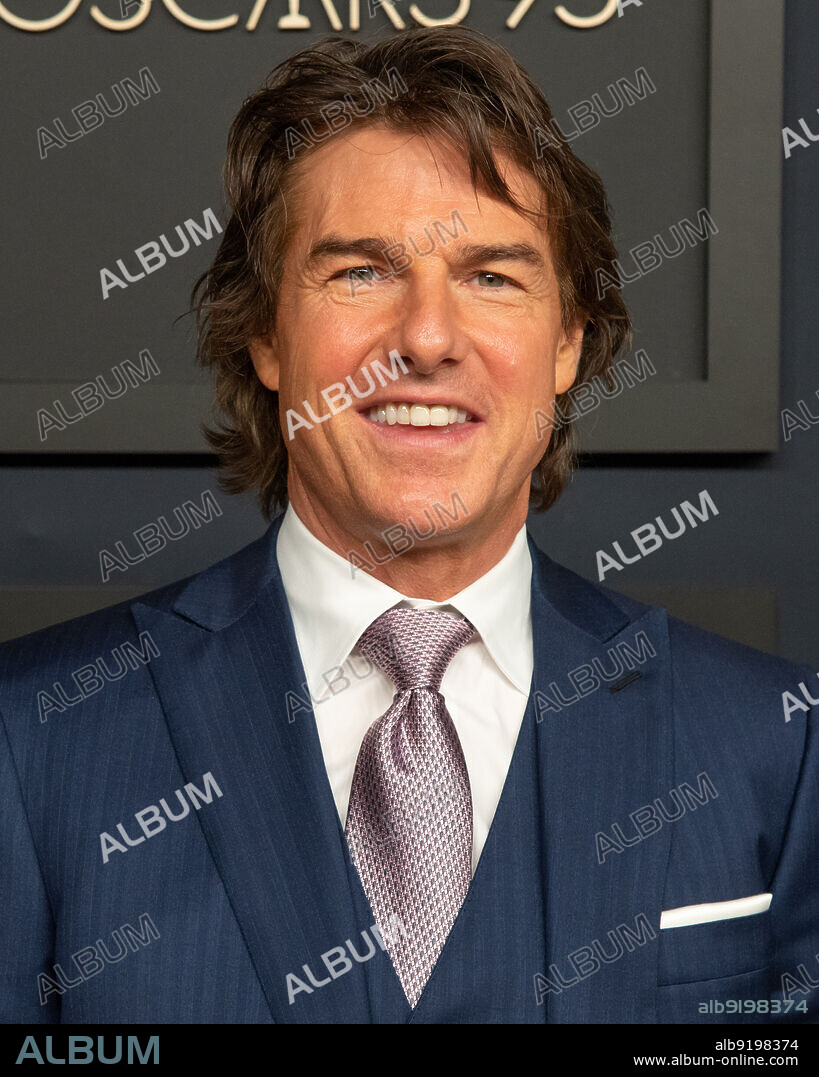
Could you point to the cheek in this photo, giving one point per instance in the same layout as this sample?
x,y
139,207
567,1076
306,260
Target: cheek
x,y
310,363
321,346
523,369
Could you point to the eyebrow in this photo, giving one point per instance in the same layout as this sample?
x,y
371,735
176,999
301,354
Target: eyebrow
x,y
468,254
477,253
335,245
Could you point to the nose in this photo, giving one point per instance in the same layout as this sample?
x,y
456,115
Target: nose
x,y
429,332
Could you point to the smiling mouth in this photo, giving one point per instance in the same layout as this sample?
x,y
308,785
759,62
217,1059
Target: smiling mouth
x,y
404,414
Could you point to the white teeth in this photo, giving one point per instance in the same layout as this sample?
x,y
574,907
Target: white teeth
x,y
418,414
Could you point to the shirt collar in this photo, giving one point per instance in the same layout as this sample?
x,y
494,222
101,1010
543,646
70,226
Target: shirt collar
x,y
331,605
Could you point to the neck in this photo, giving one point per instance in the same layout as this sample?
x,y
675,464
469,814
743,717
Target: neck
x,y
434,568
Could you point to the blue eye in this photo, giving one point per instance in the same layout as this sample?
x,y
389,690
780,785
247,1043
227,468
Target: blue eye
x,y
493,280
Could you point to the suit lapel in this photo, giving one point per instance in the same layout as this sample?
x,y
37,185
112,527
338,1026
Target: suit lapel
x,y
602,756
228,659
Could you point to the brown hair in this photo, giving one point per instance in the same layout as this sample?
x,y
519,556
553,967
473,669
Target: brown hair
x,y
448,82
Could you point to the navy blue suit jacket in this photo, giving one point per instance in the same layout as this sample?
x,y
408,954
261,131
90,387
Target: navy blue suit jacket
x,y
249,882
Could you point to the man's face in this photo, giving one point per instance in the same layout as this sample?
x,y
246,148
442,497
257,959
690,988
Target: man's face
x,y
476,320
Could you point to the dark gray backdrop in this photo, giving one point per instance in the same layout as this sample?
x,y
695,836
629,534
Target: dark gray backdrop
x,y
748,573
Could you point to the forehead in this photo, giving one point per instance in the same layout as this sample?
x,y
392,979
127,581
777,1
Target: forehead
x,y
377,179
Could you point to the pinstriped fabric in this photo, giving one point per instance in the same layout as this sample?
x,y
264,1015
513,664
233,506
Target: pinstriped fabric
x,y
409,823
254,887
81,772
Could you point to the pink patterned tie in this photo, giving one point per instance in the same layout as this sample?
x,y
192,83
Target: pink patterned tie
x,y
409,823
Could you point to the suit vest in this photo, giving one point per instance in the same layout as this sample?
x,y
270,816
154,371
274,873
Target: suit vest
x,y
485,973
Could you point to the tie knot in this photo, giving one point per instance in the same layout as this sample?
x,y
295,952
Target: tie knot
x,y
414,647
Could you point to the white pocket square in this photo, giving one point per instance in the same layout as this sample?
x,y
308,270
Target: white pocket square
x,y
687,915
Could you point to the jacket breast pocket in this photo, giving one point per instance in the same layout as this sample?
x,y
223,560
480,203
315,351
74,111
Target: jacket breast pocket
x,y
723,964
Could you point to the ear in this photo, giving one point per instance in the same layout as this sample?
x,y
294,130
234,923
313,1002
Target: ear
x,y
568,354
265,358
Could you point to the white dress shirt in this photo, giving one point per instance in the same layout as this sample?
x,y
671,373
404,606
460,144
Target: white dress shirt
x,y
486,685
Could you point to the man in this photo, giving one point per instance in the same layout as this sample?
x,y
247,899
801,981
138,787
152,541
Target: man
x,y
435,777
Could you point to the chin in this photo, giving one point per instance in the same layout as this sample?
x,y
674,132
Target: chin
x,y
436,509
